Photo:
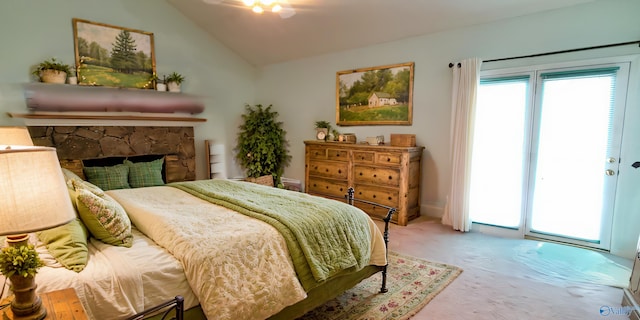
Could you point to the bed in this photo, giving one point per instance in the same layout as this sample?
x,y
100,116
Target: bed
x,y
231,249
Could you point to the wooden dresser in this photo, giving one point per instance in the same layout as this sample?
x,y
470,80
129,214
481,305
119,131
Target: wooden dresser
x,y
383,174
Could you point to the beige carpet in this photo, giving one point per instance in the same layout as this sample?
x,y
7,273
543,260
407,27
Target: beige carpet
x,y
508,279
412,283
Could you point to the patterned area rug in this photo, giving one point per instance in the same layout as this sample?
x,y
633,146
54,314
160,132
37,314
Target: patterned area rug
x,y
412,283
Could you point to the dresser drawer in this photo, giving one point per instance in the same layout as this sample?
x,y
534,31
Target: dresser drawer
x,y
383,196
363,157
338,155
377,176
328,187
388,158
317,153
337,170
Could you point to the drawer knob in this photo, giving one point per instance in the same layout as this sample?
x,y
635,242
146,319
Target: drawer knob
x,y
375,175
315,185
388,159
339,171
390,177
390,198
326,170
360,173
374,196
340,189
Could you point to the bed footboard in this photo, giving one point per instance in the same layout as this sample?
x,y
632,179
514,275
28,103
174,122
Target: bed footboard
x,y
390,211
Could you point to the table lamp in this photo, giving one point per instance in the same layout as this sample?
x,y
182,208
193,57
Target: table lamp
x,y
17,136
34,197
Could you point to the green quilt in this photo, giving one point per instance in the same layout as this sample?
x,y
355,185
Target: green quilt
x,y
324,237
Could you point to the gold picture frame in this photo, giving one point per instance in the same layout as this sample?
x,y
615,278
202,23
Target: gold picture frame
x,y
381,95
113,56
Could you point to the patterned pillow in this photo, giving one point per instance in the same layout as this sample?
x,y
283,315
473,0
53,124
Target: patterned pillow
x,y
145,174
108,178
105,218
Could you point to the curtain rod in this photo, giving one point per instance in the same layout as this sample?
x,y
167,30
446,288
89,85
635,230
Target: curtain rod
x,y
559,52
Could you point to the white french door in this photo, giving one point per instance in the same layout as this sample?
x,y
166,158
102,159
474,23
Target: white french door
x,y
545,151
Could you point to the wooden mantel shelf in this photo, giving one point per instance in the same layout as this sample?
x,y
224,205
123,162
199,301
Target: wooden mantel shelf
x,y
66,116
44,97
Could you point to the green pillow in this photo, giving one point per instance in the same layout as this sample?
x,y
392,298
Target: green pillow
x,y
68,244
105,218
81,184
145,174
108,178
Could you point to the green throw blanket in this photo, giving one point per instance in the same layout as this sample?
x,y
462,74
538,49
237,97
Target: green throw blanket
x,y
325,237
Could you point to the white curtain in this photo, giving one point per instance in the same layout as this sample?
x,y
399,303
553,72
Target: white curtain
x,y
466,79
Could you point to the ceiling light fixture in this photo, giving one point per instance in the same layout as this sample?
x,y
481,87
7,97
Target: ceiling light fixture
x,y
259,6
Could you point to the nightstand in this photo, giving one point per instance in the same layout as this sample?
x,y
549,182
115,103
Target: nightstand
x,y
61,305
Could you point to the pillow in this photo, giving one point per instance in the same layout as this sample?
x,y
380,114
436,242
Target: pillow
x,y
81,184
68,244
145,174
105,218
108,178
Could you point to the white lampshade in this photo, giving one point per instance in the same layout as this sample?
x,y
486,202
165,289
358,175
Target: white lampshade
x,y
33,193
15,136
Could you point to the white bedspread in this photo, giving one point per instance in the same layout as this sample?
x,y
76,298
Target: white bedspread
x,y
117,282
238,267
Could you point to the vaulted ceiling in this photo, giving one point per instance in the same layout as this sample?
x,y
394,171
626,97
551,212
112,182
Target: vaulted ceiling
x,y
324,26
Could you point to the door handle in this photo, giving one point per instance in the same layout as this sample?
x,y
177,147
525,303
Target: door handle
x,y
609,172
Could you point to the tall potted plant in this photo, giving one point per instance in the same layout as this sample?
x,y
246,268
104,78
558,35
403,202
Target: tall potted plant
x,y
262,149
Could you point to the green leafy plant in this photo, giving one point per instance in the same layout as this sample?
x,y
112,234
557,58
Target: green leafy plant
x,y
174,77
323,124
20,260
262,148
52,64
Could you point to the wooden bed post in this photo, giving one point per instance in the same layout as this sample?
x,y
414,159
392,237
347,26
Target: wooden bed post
x,y
386,219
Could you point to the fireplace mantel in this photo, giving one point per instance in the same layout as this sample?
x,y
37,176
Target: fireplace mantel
x,y
43,97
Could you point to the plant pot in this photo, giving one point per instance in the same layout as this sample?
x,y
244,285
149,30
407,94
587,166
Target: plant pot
x,y
53,76
173,87
26,301
72,80
161,87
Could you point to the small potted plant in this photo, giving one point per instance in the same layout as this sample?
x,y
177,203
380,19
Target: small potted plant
x,y
322,129
22,261
19,262
157,83
52,71
173,81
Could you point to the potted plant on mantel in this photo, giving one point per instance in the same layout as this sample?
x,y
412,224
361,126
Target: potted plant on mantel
x,y
262,146
52,71
173,81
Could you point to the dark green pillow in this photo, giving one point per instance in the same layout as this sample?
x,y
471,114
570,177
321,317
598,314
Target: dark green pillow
x,y
145,174
108,178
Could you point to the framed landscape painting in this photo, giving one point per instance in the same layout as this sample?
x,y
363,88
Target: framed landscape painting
x,y
113,56
375,96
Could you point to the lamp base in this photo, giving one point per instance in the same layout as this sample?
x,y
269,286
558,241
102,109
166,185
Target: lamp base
x,y
26,304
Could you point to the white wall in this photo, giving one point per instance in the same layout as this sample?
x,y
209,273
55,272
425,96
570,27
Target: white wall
x,y
33,30
303,91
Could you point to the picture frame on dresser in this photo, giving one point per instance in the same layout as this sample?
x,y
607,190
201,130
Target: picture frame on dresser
x,y
112,56
381,95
